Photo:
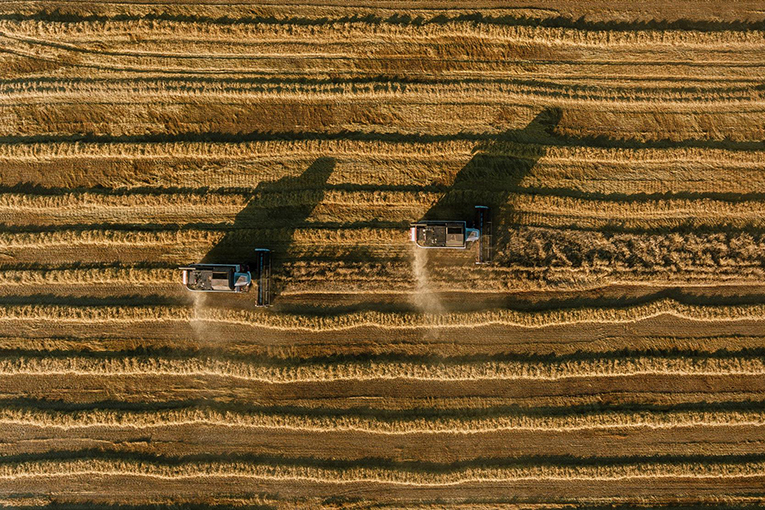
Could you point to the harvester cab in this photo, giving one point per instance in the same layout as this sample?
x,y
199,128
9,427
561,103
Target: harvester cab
x,y
456,234
232,277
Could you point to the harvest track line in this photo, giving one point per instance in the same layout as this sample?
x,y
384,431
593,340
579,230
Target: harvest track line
x,y
332,372
201,470
362,31
401,285
370,144
383,320
83,419
358,206
392,92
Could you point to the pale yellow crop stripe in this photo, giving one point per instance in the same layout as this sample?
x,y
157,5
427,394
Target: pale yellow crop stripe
x,y
246,151
369,371
126,276
438,425
160,91
416,94
196,470
365,33
99,237
386,320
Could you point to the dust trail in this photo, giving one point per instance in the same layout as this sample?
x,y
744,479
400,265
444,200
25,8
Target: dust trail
x,y
424,299
196,321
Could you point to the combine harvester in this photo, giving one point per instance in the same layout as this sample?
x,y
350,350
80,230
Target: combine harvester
x,y
232,277
456,234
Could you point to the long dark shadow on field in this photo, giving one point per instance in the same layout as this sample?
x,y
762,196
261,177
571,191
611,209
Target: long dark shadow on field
x,y
406,19
148,354
492,175
270,218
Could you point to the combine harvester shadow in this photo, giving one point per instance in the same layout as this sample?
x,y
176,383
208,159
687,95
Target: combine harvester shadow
x,y
269,222
492,176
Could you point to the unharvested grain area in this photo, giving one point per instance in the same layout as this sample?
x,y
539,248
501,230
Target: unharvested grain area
x,y
611,355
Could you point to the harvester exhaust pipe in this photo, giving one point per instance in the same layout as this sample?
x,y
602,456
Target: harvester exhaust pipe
x,y
483,224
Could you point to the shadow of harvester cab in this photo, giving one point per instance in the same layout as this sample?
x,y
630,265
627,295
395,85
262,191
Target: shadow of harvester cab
x,y
482,190
239,262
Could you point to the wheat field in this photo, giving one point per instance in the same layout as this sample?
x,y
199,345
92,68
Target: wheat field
x,y
612,355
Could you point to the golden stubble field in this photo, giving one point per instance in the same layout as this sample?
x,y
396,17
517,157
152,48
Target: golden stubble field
x,y
613,354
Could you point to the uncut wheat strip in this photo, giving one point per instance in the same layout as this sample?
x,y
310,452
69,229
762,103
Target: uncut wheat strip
x,y
354,68
583,279
326,41
356,371
593,73
646,177
129,276
160,86
246,151
222,176
668,221
468,426
42,240
74,204
582,175
289,12
370,281
491,94
397,476
384,320
556,211
699,346
281,66
223,215
180,208
426,150
561,174
163,91
364,33
283,13
699,208
242,151
337,237
496,95
515,274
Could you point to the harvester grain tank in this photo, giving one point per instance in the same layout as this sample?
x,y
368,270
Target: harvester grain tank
x,y
457,235
232,277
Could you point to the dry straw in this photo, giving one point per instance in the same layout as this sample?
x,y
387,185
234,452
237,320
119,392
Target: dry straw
x,y
383,370
398,476
438,425
385,320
